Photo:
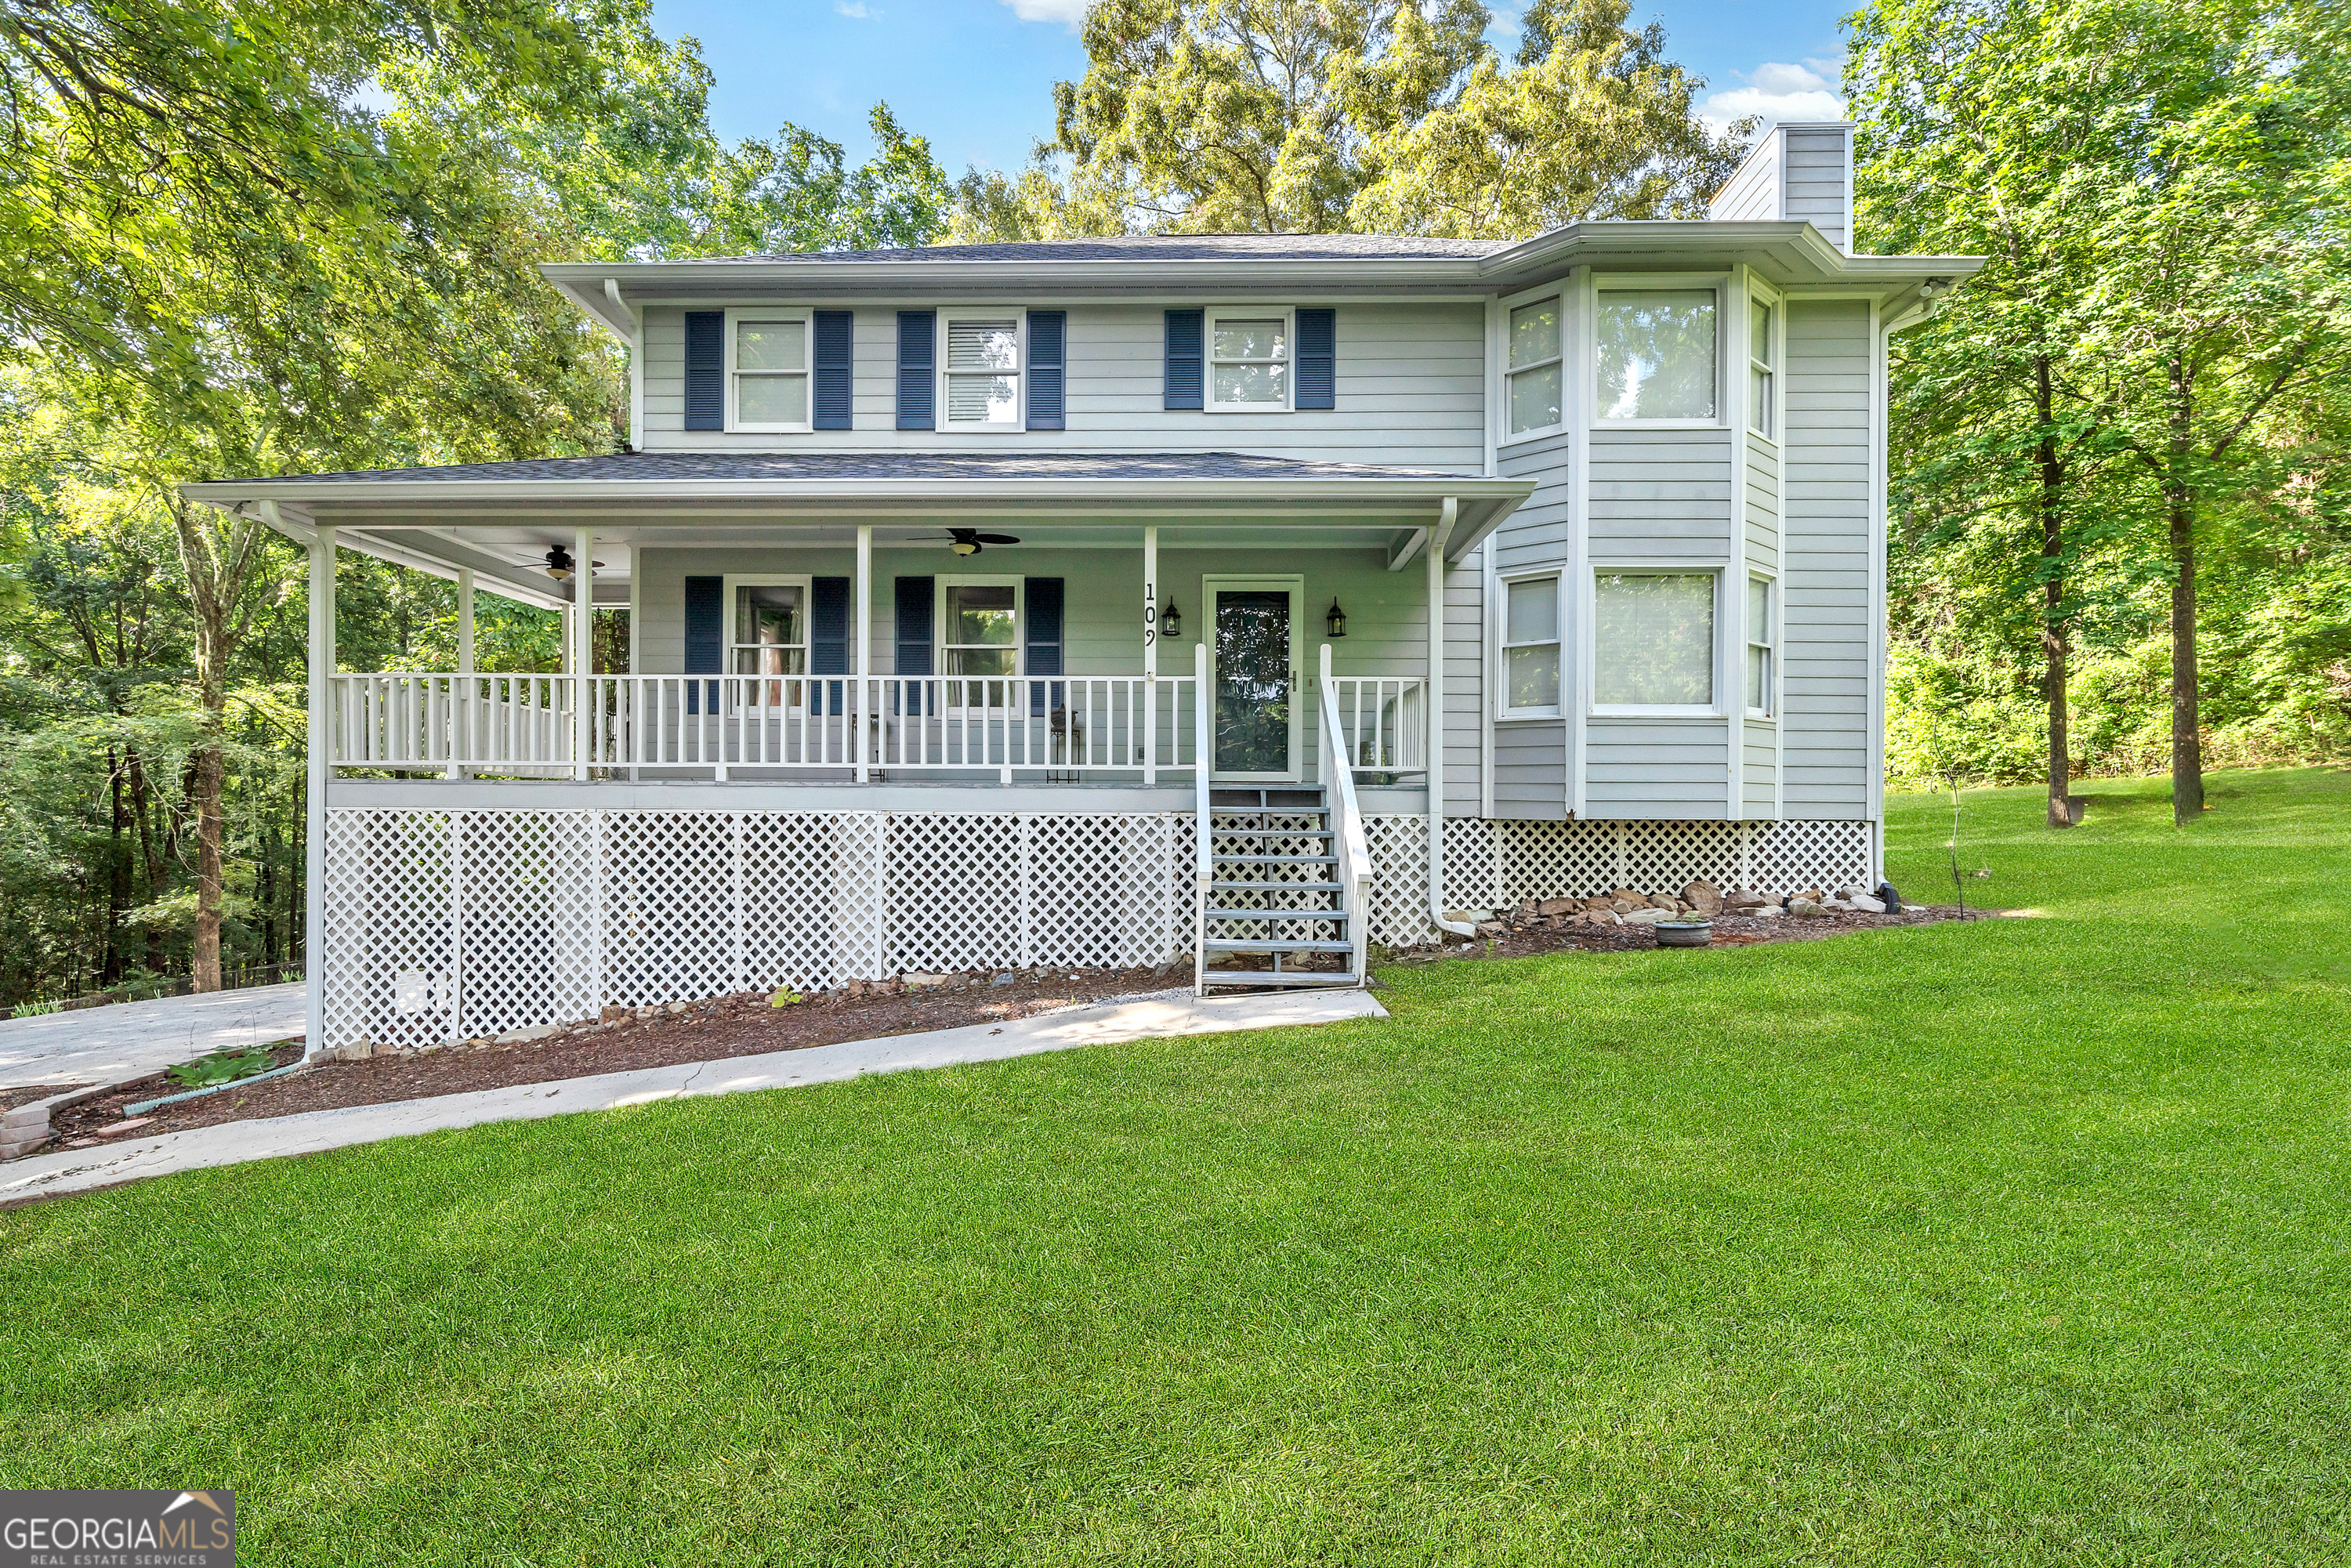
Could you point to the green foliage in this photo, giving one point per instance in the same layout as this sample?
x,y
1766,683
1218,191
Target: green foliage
x,y
220,1067
1381,116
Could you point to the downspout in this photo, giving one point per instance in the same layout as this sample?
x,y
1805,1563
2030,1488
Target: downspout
x,y
1438,537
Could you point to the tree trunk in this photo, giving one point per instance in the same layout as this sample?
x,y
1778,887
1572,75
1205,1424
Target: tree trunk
x,y
2052,468
220,553
2187,744
117,873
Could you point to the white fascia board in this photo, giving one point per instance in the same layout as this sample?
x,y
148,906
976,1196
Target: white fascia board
x,y
1785,252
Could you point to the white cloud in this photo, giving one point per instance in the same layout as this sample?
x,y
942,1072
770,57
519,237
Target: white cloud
x,y
1776,92
858,9
1071,14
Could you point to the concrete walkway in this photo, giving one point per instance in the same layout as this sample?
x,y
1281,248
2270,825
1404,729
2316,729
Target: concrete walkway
x,y
232,1142
100,1045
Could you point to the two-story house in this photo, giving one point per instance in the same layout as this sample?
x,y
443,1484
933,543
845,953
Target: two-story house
x,y
1102,601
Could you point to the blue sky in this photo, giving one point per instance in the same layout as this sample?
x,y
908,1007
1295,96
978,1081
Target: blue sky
x,y
976,75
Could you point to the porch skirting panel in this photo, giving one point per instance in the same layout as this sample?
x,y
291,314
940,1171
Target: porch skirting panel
x,y
455,924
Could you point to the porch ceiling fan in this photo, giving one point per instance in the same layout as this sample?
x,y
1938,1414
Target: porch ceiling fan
x,y
968,541
558,563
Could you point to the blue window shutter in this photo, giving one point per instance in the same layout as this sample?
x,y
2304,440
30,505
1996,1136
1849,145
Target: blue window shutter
x,y
1183,374
1041,601
1317,385
912,628
706,636
1047,364
918,333
828,639
705,370
829,406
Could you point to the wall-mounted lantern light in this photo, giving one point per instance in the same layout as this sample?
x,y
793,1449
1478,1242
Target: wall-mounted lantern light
x,y
1336,621
1171,620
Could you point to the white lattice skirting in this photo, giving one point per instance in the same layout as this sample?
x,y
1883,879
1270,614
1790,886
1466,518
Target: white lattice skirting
x,y
454,925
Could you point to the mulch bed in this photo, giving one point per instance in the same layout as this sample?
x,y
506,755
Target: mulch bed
x,y
739,1025
746,1025
12,1098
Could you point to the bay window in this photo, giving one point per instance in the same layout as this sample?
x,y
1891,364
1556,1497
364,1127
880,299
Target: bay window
x,y
1656,353
1530,647
1535,361
1762,639
1653,641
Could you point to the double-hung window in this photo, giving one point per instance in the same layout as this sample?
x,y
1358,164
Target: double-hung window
x,y
979,639
1762,368
1762,638
1249,362
1654,354
1534,363
980,370
1530,646
767,370
768,634
1653,641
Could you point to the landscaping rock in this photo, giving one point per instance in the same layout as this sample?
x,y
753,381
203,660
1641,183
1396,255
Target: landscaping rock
x,y
1767,912
1740,899
119,1128
512,1036
1664,901
919,982
1865,902
1626,906
1648,916
1704,897
1631,894
1558,906
1805,909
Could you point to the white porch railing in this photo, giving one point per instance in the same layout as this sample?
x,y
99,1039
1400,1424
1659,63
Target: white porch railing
x,y
528,725
1384,719
1347,819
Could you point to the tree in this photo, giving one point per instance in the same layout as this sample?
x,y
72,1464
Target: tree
x,y
1315,116
2156,185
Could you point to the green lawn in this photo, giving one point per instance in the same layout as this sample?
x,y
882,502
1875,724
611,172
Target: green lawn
x,y
2013,1242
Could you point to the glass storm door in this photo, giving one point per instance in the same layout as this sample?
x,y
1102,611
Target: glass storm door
x,y
1254,659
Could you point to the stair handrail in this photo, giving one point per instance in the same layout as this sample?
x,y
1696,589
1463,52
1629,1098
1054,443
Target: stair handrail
x,y
1203,751
1354,850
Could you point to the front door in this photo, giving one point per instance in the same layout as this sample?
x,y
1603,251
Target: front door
x,y
1253,665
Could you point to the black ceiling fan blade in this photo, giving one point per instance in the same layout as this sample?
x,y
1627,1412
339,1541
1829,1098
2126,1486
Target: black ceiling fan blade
x,y
997,538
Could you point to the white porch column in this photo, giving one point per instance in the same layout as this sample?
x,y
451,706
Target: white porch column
x,y
1150,653
319,770
861,660
1438,538
583,655
464,619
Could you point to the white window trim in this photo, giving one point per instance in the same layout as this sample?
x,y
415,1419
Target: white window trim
x,y
807,318
1504,713
729,583
1613,282
1717,709
1758,293
1208,318
1019,419
1561,292
1770,712
1018,584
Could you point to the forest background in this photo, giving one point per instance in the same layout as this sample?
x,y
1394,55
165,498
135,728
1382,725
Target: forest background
x,y
255,236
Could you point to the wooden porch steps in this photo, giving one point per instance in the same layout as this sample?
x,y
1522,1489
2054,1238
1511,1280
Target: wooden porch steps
x,y
1273,868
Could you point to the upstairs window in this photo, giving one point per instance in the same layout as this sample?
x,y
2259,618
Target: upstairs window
x,y
982,372
1534,367
1249,362
1656,353
767,372
1530,647
1763,366
1653,641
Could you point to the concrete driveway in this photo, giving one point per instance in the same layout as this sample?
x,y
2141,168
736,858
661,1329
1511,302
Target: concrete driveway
x,y
100,1044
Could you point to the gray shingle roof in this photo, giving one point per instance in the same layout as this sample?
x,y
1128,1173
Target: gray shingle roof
x,y
1172,247
851,465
